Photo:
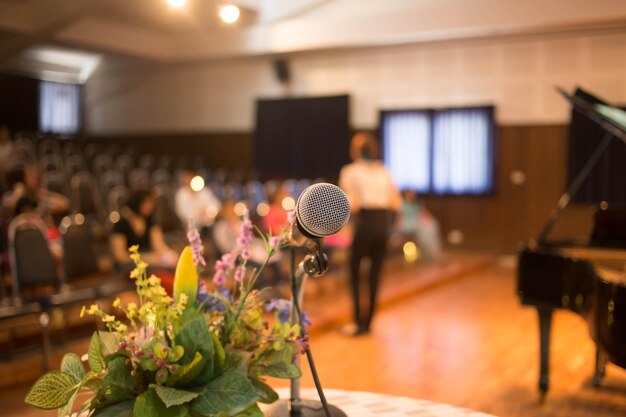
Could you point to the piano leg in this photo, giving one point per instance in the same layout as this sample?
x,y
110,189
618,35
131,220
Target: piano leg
x,y
600,367
545,324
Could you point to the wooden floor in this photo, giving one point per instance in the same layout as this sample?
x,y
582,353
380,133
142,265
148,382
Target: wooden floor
x,y
466,342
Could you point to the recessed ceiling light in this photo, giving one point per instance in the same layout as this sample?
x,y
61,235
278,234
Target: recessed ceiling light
x,y
177,3
229,13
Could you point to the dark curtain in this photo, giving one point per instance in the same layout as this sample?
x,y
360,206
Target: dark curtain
x,y
607,181
19,103
302,137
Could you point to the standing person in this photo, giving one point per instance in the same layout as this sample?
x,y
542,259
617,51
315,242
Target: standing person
x,y
373,200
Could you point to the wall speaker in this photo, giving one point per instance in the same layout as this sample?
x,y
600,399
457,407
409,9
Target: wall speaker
x,y
281,70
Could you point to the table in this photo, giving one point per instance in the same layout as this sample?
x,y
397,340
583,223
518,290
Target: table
x,y
367,404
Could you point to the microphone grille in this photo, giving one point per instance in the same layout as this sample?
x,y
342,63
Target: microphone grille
x,y
322,209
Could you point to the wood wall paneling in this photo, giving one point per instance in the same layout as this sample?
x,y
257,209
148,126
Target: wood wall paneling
x,y
513,214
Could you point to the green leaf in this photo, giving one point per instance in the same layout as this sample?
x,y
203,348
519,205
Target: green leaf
x,y
67,409
231,392
277,363
123,409
52,390
280,370
194,336
109,343
72,365
253,411
220,354
187,373
94,354
173,396
91,381
266,394
118,384
148,404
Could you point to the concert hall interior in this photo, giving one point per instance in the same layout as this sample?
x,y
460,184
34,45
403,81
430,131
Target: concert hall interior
x,y
425,197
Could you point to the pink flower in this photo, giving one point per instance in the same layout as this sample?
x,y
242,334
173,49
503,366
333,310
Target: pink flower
x,y
275,242
240,273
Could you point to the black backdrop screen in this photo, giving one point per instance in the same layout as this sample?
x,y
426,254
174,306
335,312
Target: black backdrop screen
x,y
302,137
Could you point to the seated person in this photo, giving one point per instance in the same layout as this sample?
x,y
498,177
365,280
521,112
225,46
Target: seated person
x,y
276,217
28,205
200,206
25,180
417,220
136,227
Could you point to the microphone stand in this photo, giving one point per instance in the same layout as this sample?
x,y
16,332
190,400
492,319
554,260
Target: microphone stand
x,y
311,265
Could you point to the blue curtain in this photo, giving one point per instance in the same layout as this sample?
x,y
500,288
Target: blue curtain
x,y
407,149
449,151
59,107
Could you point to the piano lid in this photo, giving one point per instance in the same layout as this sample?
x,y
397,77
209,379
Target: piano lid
x,y
612,120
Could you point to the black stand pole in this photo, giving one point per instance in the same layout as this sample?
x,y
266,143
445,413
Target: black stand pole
x,y
295,406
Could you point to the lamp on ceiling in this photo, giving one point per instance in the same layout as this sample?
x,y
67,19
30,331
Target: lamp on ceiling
x,y
229,13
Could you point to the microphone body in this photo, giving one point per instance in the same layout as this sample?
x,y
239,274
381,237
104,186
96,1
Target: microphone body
x,y
321,210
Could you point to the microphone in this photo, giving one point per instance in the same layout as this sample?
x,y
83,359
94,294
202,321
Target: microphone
x,y
322,210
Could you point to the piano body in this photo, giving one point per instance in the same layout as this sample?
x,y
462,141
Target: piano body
x,y
587,278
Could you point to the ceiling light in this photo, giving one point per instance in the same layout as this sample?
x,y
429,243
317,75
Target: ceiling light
x,y
229,13
177,3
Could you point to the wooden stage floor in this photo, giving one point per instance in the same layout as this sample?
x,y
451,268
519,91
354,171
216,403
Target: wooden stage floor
x,y
465,342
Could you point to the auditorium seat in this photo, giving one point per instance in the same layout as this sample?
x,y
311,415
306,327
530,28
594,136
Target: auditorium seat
x,y
85,197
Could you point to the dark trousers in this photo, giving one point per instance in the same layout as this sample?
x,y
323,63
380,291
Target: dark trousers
x,y
370,241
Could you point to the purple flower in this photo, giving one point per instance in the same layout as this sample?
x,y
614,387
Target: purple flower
x,y
195,242
217,301
281,306
202,291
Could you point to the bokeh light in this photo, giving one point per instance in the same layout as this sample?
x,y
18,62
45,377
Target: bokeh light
x,y
197,183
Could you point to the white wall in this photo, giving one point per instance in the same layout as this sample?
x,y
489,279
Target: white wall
x,y
517,75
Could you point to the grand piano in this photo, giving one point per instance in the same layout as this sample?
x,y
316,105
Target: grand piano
x,y
587,278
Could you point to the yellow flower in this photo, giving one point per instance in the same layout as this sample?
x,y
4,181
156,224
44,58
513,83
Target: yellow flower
x,y
135,257
93,309
134,273
154,280
107,318
142,265
121,328
183,298
133,248
117,302
132,306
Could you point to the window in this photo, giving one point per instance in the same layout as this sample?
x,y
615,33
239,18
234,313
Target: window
x,y
59,107
448,151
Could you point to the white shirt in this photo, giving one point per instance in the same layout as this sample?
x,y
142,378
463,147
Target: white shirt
x,y
368,184
196,205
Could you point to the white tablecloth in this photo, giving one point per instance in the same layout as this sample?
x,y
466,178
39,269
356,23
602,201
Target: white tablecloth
x,y
366,404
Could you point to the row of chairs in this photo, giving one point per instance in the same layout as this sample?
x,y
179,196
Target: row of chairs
x,y
34,268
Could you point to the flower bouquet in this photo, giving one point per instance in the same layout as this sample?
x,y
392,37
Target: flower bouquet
x,y
198,353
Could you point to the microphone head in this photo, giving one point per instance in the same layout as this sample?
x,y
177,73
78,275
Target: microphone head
x,y
322,209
